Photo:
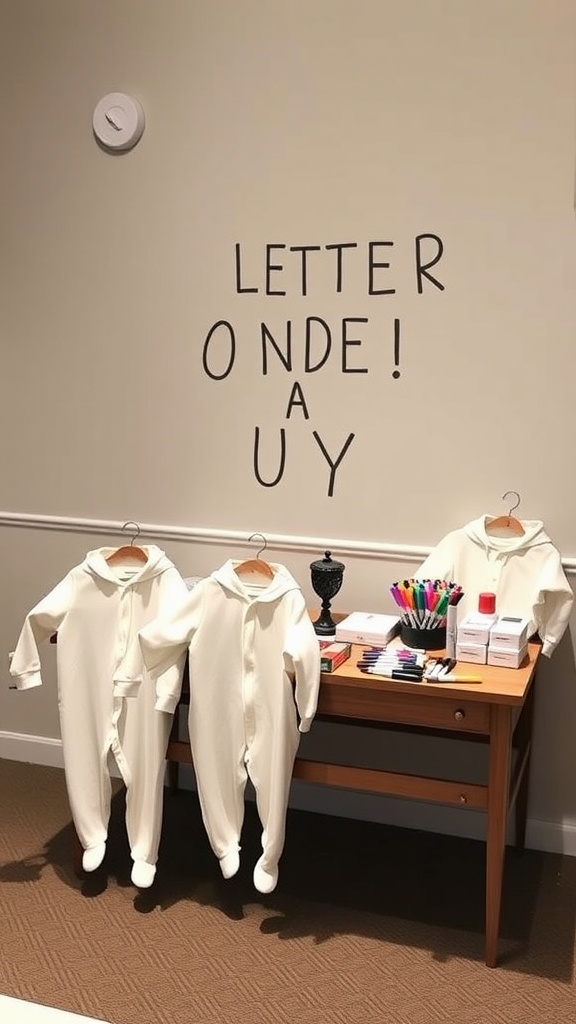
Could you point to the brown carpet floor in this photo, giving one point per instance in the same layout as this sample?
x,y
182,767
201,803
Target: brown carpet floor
x,y
368,923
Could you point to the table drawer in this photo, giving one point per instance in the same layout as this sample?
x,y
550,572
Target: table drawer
x,y
407,708
451,713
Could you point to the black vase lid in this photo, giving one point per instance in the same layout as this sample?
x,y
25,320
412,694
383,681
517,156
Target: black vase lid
x,y
327,564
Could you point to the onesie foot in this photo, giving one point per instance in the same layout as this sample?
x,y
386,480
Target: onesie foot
x,y
143,874
93,857
265,880
230,863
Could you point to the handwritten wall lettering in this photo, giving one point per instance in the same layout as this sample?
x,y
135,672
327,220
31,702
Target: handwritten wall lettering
x,y
313,344
272,273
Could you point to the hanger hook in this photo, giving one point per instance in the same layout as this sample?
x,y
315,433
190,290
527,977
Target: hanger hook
x,y
136,529
263,548
505,495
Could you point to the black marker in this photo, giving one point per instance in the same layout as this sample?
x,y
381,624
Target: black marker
x,y
395,673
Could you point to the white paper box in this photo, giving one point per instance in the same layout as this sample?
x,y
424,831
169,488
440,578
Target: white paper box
x,y
509,633
367,628
475,628
474,653
505,657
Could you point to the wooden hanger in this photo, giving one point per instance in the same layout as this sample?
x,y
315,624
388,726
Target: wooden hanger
x,y
509,523
129,552
255,566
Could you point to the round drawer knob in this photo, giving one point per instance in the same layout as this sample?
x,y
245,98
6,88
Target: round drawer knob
x,y
463,799
459,715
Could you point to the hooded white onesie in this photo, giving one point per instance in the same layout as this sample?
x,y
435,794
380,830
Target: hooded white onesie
x,y
254,663
525,572
97,611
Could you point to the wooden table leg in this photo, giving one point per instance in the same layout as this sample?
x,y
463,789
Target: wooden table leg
x,y
524,737
498,786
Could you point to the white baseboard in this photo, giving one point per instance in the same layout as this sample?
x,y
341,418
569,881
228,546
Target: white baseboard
x,y
17,746
548,836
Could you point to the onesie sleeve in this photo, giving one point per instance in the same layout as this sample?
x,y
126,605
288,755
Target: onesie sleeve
x,y
40,623
303,649
130,672
169,679
552,605
164,644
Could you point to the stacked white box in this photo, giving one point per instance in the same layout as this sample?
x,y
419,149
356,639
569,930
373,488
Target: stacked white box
x,y
505,657
508,641
472,637
475,628
473,653
509,633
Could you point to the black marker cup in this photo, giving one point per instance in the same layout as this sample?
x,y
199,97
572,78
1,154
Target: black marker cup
x,y
423,639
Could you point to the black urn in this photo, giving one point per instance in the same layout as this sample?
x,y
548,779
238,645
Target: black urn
x,y
326,574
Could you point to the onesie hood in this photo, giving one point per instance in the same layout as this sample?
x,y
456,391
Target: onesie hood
x,y
281,583
96,565
534,535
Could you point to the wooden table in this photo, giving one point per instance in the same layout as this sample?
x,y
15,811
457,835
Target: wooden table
x,y
498,712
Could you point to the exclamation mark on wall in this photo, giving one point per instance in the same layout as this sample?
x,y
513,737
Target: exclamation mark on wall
x,y
396,372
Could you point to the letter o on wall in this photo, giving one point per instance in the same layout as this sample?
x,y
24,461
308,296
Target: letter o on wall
x,y
232,352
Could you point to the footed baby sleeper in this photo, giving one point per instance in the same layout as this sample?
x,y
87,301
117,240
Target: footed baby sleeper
x,y
254,664
97,611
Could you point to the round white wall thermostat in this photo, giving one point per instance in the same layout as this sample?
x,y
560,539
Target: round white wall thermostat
x,y
118,121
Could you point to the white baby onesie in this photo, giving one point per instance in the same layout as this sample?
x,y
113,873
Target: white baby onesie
x,y
254,662
97,611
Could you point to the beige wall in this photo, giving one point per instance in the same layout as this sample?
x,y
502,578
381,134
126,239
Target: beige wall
x,y
307,123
